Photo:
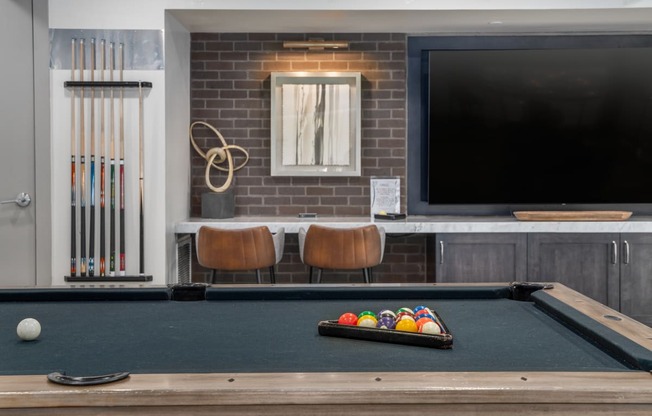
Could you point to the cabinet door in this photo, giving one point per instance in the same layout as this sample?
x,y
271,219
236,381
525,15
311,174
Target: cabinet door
x,y
587,263
636,277
487,257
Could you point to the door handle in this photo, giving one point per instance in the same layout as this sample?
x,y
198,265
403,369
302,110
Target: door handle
x,y
441,252
22,200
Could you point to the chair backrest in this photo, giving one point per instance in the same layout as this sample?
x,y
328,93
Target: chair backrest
x,y
342,248
240,249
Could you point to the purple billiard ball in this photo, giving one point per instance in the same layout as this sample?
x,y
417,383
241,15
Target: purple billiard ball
x,y
386,322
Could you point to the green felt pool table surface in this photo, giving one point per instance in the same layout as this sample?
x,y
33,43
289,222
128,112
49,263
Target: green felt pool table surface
x,y
270,332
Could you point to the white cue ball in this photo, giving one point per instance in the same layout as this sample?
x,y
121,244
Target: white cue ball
x,y
28,329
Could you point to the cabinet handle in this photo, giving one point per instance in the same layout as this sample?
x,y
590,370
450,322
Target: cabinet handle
x,y
626,254
441,252
614,246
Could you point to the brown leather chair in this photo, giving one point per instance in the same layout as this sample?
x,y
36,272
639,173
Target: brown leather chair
x,y
242,249
342,248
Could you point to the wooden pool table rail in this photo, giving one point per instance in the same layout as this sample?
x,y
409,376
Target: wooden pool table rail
x,y
460,393
622,324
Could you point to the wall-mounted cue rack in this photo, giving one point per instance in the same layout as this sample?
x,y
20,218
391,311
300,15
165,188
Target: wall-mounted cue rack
x,y
107,84
112,261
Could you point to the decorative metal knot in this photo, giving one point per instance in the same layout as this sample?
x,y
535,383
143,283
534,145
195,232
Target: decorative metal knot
x,y
217,155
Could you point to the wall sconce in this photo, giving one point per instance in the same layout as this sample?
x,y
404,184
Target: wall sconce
x,y
316,44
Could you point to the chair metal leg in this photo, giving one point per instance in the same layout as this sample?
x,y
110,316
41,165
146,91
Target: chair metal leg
x,y
310,269
272,278
213,275
366,272
258,276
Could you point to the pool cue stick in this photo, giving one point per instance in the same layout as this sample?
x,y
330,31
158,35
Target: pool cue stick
x,y
122,166
91,249
141,267
82,162
112,156
73,151
102,166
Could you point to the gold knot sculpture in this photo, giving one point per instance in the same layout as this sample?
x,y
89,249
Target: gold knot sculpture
x,y
217,155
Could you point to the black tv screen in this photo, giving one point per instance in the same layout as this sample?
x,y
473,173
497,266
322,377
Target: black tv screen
x,y
539,126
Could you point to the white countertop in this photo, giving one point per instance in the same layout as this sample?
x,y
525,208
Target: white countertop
x,y
428,224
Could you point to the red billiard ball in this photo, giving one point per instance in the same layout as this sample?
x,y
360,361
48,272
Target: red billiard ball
x,y
421,312
348,318
404,315
405,309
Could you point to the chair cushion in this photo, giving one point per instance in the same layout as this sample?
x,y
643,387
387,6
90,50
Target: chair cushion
x,y
240,249
342,248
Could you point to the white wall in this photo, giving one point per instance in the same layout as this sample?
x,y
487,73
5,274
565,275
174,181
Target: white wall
x,y
177,120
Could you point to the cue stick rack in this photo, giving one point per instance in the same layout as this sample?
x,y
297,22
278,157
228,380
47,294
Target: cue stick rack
x,y
88,270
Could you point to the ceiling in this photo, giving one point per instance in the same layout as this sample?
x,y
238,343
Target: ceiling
x,y
417,21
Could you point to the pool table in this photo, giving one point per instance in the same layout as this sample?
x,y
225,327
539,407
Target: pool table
x,y
254,349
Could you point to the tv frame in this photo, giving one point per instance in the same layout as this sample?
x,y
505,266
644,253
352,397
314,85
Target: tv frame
x,y
418,48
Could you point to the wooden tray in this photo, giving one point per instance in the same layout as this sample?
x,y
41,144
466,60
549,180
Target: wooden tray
x,y
572,215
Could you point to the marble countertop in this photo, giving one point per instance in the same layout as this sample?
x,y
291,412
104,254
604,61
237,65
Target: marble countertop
x,y
428,224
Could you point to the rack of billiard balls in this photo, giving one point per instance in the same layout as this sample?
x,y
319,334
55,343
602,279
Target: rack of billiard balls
x,y
421,320
420,326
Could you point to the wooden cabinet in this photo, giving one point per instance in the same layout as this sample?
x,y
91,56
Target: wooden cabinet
x,y
636,277
481,257
612,268
588,263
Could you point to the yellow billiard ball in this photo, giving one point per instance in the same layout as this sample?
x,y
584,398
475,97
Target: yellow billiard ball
x,y
407,325
367,321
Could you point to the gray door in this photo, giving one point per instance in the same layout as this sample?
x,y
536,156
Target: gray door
x,y
17,224
481,257
586,262
636,277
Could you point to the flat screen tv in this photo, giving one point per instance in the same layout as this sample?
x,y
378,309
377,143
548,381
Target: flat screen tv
x,y
535,122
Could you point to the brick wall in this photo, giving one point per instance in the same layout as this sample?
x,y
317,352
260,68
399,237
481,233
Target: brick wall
x,y
230,89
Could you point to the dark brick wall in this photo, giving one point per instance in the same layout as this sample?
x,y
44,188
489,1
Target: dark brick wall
x,y
230,77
